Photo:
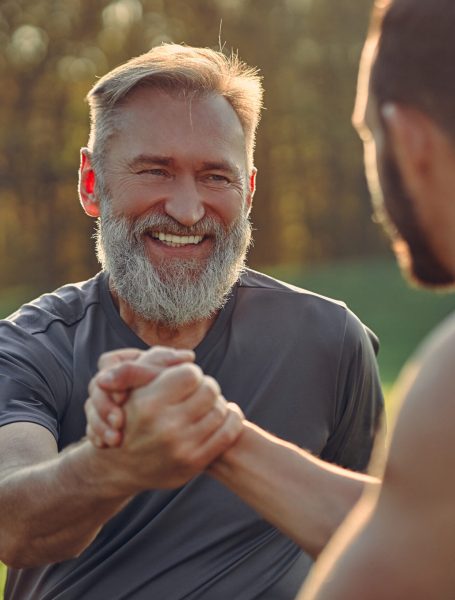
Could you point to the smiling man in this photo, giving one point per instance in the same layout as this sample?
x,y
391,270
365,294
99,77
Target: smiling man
x,y
167,154
169,174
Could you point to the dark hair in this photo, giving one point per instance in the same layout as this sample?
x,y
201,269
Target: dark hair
x,y
415,61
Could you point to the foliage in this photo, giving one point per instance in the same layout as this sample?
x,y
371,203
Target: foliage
x,y
311,200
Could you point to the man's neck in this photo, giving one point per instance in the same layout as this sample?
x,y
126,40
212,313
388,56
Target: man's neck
x,y
187,336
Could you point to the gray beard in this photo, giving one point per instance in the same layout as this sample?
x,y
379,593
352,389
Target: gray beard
x,y
174,292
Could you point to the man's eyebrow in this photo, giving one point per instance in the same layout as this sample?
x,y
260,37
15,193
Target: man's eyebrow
x,y
220,165
142,160
148,159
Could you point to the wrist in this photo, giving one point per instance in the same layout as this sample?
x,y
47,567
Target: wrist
x,y
99,472
236,455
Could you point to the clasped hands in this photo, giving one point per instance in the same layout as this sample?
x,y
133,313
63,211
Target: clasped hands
x,y
157,416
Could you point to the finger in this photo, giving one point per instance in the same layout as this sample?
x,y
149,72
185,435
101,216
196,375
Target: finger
x,y
103,404
93,438
99,432
115,357
127,376
141,371
222,437
118,398
203,401
211,421
172,386
166,356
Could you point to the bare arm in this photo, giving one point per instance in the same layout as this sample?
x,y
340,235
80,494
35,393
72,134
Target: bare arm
x,y
300,494
53,505
399,543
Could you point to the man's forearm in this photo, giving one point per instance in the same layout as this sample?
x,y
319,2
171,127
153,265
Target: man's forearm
x,y
51,511
303,496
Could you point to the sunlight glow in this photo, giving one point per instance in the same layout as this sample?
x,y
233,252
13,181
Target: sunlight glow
x,y
122,13
28,45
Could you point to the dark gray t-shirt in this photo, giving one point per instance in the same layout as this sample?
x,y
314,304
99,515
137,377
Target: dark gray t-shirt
x,y
299,365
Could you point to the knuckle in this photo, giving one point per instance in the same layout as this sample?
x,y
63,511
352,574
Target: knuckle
x,y
212,385
190,374
99,405
95,423
218,416
121,371
105,360
227,436
153,353
235,410
230,432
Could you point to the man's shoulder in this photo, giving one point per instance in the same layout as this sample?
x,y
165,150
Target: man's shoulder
x,y
67,305
425,422
431,370
254,280
286,302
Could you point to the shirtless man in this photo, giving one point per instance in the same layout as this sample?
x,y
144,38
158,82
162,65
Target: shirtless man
x,y
399,543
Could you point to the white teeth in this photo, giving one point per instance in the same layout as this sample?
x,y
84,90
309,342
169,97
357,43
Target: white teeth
x,y
177,240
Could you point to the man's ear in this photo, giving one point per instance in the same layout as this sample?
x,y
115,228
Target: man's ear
x,y
413,138
87,194
251,188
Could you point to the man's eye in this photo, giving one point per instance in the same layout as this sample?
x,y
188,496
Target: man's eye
x,y
158,172
217,178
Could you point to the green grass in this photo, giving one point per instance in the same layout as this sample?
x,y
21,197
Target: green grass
x,y
2,578
12,298
399,314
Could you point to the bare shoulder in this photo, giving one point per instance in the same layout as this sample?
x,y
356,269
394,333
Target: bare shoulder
x,y
423,441
23,444
416,504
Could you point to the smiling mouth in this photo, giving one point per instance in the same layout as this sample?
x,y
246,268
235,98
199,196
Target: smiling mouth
x,y
176,241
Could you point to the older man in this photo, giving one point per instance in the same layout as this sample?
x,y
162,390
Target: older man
x,y
169,172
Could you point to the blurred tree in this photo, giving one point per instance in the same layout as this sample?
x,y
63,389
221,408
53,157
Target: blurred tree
x,y
311,201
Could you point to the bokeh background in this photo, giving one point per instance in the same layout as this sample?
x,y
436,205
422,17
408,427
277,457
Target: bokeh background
x,y
312,214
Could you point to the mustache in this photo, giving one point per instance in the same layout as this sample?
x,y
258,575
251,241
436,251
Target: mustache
x,y
207,226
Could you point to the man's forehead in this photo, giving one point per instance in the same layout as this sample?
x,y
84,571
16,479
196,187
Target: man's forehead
x,y
148,99
161,113
153,126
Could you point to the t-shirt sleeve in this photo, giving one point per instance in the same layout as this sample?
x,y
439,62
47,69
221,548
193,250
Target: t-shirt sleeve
x,y
33,387
359,404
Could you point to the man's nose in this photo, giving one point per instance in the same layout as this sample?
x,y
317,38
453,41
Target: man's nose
x,y
185,204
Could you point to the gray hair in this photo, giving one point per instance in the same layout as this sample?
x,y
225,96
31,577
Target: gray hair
x,y
176,68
